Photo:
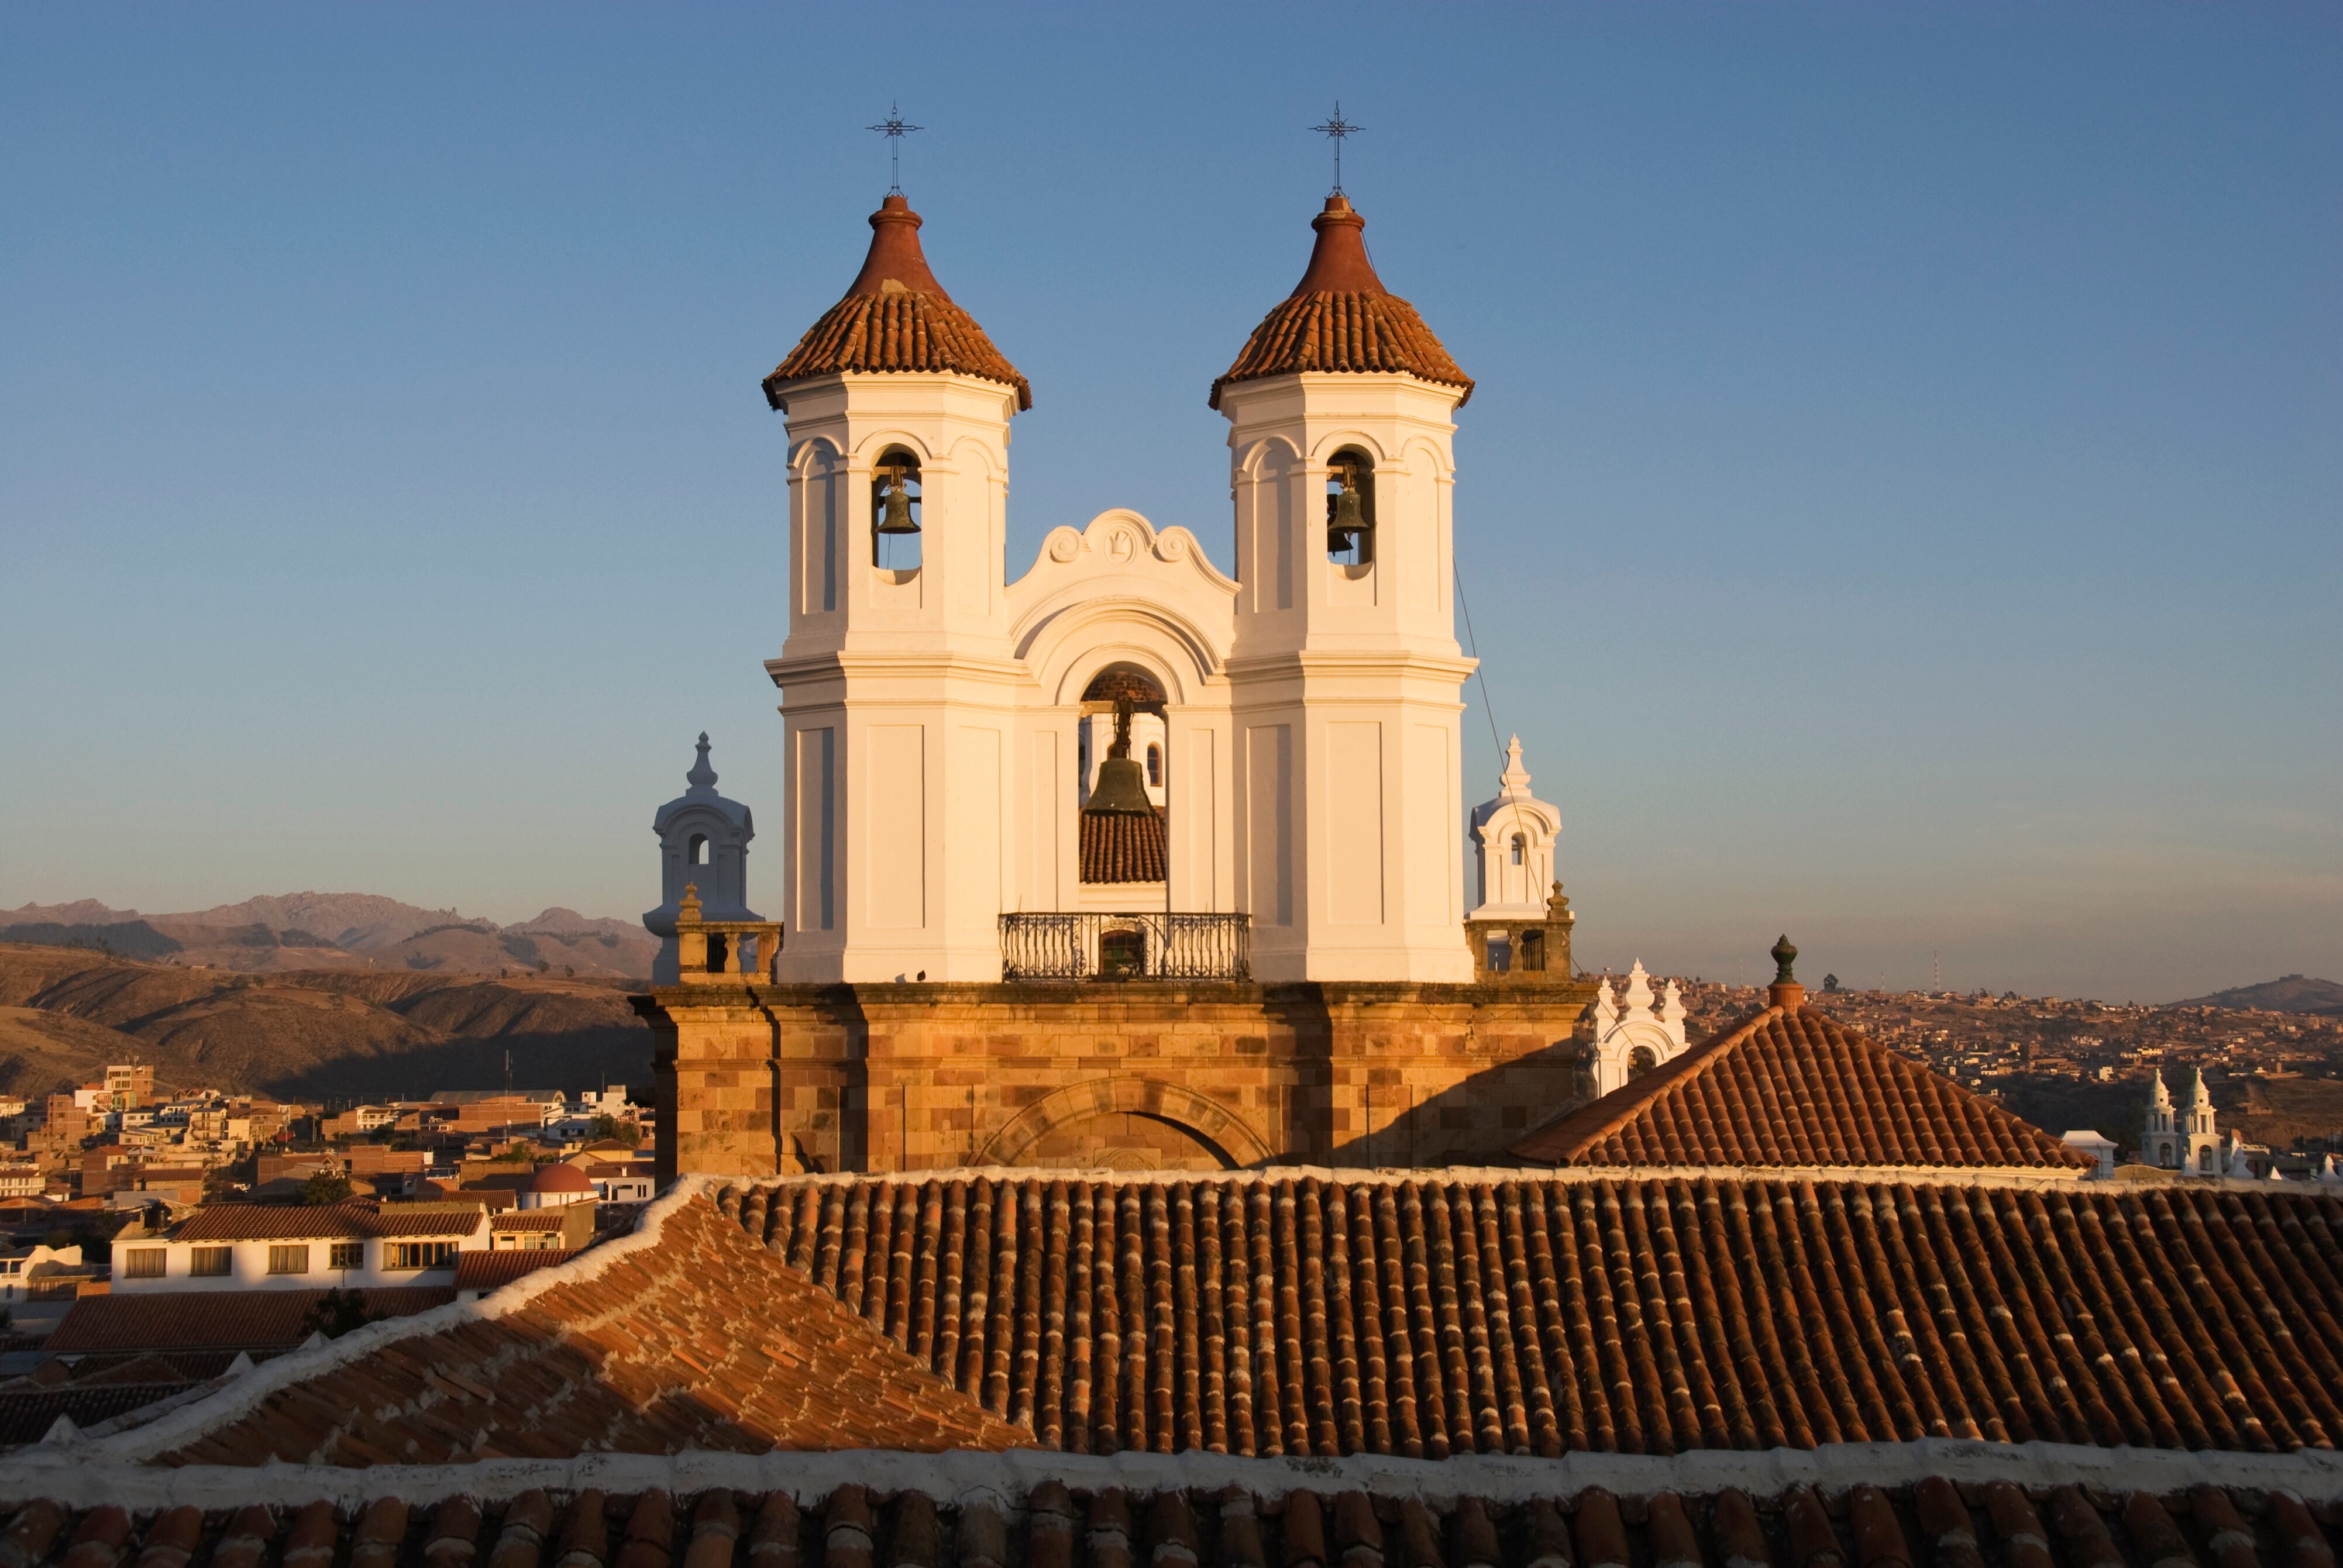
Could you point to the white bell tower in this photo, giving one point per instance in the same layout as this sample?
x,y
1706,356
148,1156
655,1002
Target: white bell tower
x,y
898,679
1344,671
1514,843
703,845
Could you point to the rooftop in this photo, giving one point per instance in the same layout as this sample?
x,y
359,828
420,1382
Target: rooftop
x,y
1793,1089
895,316
1341,317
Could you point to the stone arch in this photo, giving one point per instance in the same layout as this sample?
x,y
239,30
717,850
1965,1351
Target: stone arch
x,y
1208,1122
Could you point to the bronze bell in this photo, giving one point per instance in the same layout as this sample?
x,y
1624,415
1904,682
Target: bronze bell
x,y
1346,519
897,519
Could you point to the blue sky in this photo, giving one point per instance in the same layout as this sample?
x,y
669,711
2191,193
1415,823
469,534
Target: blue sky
x,y
1903,503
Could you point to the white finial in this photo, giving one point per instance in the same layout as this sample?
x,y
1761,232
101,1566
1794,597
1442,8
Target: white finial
x,y
1606,1010
1639,992
1515,781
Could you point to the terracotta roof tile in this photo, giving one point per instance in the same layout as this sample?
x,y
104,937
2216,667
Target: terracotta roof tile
x,y
1341,317
271,1223
895,316
1293,1313
699,1340
486,1270
1794,1089
172,1321
1934,1522
1121,847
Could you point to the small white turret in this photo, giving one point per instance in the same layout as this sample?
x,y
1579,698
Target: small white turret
x,y
1514,843
1632,1040
704,845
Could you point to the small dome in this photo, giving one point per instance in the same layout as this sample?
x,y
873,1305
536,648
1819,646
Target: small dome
x,y
559,1179
1341,317
895,316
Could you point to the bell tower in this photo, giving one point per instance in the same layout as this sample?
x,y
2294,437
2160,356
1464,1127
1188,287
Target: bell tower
x,y
1344,666
897,679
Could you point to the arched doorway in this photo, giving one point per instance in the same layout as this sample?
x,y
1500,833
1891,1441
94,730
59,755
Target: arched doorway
x,y
1141,1123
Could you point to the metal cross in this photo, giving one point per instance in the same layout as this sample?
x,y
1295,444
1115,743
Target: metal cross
x,y
895,129
1338,127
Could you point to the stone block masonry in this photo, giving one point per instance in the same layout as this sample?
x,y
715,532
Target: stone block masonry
x,y
759,1081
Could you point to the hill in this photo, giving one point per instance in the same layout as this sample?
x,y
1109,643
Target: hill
x,y
295,931
2288,993
322,1033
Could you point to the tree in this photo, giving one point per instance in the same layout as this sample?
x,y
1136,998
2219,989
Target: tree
x,y
626,1132
1830,983
339,1312
325,1187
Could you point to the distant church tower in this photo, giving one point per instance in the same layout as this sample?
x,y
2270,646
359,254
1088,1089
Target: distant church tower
x,y
2181,1137
1514,843
704,845
1344,671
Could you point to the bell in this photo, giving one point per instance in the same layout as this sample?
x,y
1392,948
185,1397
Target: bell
x,y
897,519
1345,521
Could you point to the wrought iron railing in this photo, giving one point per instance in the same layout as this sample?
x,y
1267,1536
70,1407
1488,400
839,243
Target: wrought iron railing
x,y
1159,945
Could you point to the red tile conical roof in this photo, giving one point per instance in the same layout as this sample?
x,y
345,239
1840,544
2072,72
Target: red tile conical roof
x,y
1339,317
1792,1087
895,316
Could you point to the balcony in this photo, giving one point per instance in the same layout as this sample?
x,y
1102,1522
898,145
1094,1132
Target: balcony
x,y
1119,947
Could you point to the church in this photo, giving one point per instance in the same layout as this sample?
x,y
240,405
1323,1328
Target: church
x,y
1128,1148
1128,857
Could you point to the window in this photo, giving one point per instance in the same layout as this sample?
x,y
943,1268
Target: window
x,y
1155,766
1350,509
1500,955
346,1255
210,1263
1533,952
2204,1160
1520,846
895,513
1641,1060
144,1263
700,849
418,1254
293,1260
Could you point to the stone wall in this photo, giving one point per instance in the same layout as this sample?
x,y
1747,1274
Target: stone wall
x,y
767,1080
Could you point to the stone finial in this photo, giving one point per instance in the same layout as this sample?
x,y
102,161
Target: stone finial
x,y
1786,992
686,909
1557,907
702,776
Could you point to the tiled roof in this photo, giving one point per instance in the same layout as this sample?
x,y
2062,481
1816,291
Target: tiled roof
x,y
1341,317
486,1270
529,1220
895,316
1793,1089
26,1415
323,1222
1937,1522
1121,847
1298,1313
171,1321
693,1338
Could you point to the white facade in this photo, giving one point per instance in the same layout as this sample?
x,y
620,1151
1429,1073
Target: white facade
x,y
333,1252
2100,1149
934,755
1513,846
1632,1040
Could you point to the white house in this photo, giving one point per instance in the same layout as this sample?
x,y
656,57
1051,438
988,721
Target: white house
x,y
249,1246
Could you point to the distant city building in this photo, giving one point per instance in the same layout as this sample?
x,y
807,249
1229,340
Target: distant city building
x,y
2181,1137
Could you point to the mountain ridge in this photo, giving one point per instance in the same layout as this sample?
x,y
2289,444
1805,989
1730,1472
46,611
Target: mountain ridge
x,y
283,931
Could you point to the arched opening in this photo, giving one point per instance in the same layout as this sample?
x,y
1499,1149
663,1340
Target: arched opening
x,y
1520,848
1640,1062
1533,952
1119,791
697,851
1127,1141
1350,510
2204,1160
895,513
